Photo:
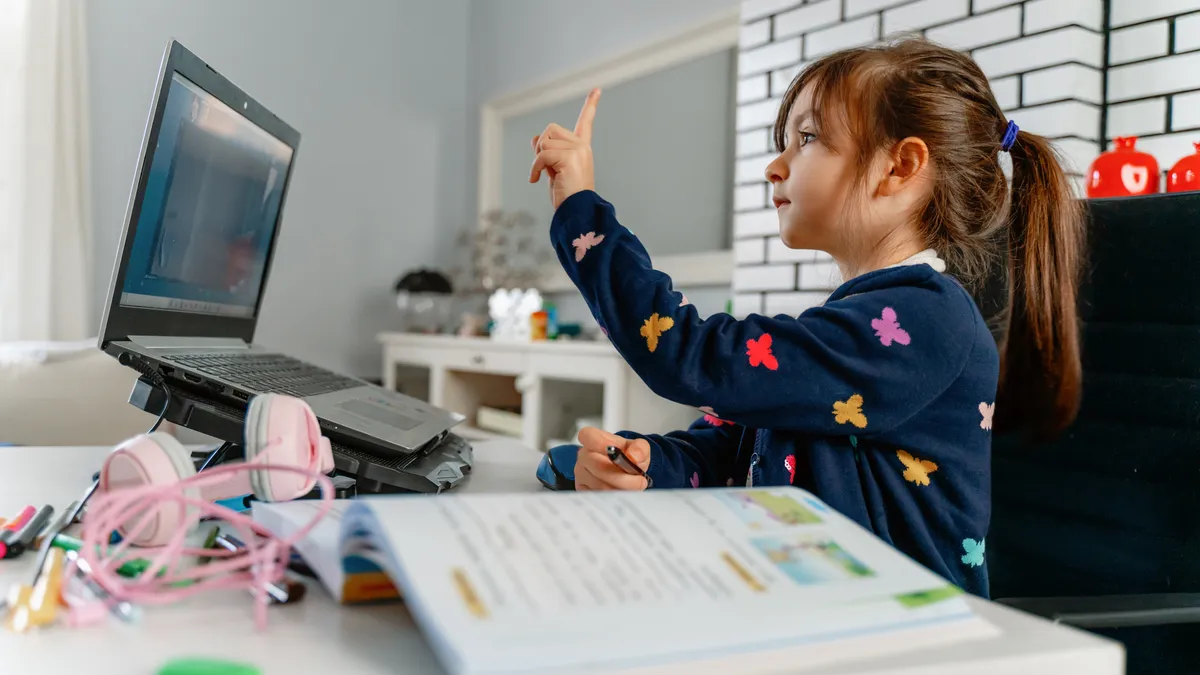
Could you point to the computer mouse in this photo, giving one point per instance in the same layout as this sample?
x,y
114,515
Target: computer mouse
x,y
556,471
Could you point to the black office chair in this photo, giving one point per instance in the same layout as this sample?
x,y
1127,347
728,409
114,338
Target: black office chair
x,y
1100,528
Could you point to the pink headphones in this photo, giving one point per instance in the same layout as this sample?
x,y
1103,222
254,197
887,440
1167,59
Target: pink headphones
x,y
280,431
151,493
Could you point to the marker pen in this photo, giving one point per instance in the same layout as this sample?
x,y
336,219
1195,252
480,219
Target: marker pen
x,y
18,534
130,569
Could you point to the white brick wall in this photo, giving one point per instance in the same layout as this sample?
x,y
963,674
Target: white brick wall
x,y
1073,80
750,197
977,31
792,304
1043,15
808,18
749,251
1007,91
1138,118
842,36
922,14
765,278
1070,43
1048,69
754,142
1135,43
1125,12
759,114
754,34
1187,32
1154,76
752,88
1186,111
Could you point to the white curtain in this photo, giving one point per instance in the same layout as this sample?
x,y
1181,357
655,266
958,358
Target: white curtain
x,y
45,200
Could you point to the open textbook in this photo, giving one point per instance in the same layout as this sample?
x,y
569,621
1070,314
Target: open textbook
x,y
657,580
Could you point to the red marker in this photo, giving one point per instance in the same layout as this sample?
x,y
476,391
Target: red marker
x,y
13,528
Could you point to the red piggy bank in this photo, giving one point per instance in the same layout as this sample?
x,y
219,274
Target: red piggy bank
x,y
1123,171
1185,175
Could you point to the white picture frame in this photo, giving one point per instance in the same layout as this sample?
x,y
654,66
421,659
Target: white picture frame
x,y
707,268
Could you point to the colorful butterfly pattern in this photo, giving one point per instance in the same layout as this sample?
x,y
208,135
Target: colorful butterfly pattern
x,y
974,552
585,242
888,330
760,354
850,411
987,410
849,414
916,470
653,329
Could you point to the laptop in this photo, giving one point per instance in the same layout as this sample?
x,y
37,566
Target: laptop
x,y
200,234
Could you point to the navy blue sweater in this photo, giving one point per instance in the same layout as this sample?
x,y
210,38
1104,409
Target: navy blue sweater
x,y
879,401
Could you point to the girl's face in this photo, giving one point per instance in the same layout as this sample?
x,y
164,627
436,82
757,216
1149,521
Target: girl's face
x,y
811,182
864,218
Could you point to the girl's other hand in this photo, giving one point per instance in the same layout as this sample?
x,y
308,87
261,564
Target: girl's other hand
x,y
593,469
566,156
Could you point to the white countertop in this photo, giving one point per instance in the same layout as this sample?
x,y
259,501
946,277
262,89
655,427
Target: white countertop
x,y
318,636
577,347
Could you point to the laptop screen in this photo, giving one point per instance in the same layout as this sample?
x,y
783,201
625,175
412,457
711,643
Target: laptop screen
x,y
211,204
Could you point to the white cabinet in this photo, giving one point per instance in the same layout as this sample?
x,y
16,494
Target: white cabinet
x,y
552,383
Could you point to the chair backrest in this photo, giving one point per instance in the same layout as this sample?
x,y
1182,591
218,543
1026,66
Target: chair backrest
x,y
1113,505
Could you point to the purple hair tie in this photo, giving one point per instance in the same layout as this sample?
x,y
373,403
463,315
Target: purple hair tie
x,y
1010,136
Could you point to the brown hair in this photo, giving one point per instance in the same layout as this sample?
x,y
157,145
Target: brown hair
x,y
914,88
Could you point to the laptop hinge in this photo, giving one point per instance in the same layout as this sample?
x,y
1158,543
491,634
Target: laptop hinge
x,y
182,342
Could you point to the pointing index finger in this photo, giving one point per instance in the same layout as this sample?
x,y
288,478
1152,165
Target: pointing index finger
x,y
583,127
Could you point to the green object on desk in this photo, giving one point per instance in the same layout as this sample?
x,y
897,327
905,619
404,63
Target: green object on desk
x,y
207,667
131,569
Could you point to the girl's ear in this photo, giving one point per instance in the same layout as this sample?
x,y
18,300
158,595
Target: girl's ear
x,y
906,166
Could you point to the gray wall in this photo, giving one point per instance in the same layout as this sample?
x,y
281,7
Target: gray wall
x,y
378,90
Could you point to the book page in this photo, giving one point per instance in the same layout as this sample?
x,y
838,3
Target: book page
x,y
510,574
320,548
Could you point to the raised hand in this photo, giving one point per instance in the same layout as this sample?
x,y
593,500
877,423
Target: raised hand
x,y
566,156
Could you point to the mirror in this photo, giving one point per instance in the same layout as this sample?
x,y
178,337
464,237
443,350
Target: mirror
x,y
663,147
664,151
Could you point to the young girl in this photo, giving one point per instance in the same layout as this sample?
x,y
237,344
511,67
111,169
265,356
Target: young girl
x,y
881,400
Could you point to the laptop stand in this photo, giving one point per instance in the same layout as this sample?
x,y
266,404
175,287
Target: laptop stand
x,y
441,466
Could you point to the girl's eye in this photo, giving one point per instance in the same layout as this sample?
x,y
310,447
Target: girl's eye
x,y
806,138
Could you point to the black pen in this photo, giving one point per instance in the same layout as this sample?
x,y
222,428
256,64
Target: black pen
x,y
618,457
290,590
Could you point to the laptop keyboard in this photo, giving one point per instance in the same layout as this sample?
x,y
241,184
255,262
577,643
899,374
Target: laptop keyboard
x,y
267,373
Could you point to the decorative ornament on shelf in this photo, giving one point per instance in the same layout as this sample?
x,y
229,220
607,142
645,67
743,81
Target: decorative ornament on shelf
x,y
510,311
1185,175
1123,171
507,250
424,300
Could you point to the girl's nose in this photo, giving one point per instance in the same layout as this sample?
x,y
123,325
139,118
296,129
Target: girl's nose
x,y
777,170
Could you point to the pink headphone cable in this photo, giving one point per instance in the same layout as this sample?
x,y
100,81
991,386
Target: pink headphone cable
x,y
171,575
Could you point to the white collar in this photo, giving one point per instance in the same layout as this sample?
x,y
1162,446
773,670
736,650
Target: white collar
x,y
926,257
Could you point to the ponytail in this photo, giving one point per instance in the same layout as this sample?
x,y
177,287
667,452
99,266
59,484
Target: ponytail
x,y
1040,369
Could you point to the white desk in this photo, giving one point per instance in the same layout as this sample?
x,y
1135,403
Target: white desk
x,y
317,636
